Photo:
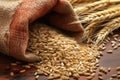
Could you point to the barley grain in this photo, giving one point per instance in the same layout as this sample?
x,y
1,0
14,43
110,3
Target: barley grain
x,y
118,73
27,66
60,54
111,79
100,77
118,44
114,76
37,76
35,73
118,76
110,51
99,74
113,42
102,69
118,68
109,69
115,39
13,64
116,35
11,73
115,47
89,77
22,71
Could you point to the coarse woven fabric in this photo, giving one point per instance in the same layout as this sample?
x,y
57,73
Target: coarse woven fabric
x,y
16,15
7,10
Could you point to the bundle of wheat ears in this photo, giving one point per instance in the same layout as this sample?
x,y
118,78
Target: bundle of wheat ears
x,y
101,16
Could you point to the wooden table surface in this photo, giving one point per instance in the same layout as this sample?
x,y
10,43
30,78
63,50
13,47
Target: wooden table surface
x,y
108,60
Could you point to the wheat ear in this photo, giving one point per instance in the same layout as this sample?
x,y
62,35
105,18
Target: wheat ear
x,y
80,1
91,7
113,1
90,29
102,15
72,1
108,28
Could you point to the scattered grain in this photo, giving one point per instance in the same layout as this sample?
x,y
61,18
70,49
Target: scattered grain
x,y
118,73
111,79
100,74
118,68
118,76
118,44
115,39
60,54
109,51
102,69
35,73
27,66
89,77
37,76
100,77
22,71
13,64
109,69
114,76
115,47
11,73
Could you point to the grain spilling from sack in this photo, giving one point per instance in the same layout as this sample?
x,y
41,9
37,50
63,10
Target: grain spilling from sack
x,y
61,56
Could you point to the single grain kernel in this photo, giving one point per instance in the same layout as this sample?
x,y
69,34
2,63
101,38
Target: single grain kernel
x,y
35,73
110,51
116,35
27,66
115,39
87,74
111,79
100,74
109,69
114,76
89,77
118,73
118,68
113,42
22,71
100,77
93,74
108,38
118,44
13,64
115,47
11,73
37,76
118,76
64,77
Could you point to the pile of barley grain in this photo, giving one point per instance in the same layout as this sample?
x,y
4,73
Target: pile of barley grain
x,y
61,56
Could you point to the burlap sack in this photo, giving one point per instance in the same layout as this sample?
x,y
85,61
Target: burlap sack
x,y
16,15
